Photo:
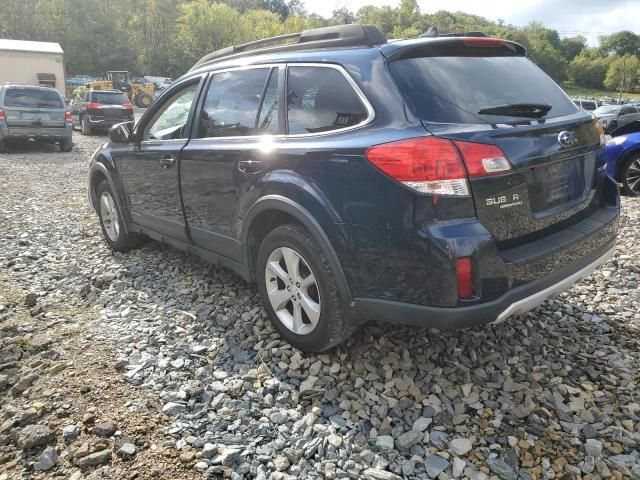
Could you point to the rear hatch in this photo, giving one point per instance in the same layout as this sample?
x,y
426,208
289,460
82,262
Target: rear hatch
x,y
486,91
109,106
33,107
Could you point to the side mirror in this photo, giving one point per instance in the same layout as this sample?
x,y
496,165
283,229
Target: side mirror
x,y
121,133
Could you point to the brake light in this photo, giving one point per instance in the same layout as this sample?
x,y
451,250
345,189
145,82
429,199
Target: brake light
x,y
93,105
436,165
483,160
127,106
2,115
67,117
464,278
483,42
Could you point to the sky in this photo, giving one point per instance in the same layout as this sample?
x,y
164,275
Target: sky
x,y
590,18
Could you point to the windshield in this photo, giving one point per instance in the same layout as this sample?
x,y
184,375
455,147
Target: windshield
x,y
607,110
32,98
454,89
108,98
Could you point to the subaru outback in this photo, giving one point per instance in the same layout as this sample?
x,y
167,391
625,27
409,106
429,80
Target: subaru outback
x,y
443,182
34,113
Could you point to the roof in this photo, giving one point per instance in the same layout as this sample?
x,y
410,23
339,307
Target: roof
x,y
29,46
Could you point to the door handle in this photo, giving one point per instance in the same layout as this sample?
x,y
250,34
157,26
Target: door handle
x,y
251,167
167,161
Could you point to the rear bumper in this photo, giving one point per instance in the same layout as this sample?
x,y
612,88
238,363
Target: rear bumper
x,y
514,302
106,123
35,133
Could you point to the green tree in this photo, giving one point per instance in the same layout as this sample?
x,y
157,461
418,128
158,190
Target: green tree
x,y
622,74
571,47
588,70
342,16
620,43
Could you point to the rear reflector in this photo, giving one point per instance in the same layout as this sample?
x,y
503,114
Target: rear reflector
x,y
464,277
127,106
2,115
436,165
67,117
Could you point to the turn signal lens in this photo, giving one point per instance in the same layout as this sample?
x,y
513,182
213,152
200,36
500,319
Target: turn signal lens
x,y
464,277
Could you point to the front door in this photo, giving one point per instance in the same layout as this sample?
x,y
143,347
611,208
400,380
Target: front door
x,y
149,168
230,152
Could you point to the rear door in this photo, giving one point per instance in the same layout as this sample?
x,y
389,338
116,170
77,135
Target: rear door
x,y
111,107
556,165
33,107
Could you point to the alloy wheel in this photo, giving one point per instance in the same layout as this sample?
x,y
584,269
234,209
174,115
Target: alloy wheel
x,y
293,290
633,176
109,216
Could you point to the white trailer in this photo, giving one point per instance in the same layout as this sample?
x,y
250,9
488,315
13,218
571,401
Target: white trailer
x,y
23,61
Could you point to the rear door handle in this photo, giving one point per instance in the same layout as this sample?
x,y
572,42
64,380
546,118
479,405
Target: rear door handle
x,y
167,161
251,167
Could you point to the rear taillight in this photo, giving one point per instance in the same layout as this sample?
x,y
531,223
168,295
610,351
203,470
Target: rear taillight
x,y
603,136
464,278
67,117
93,105
436,165
127,106
3,117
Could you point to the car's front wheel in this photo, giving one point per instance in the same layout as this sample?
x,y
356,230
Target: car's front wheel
x,y
111,221
299,290
630,176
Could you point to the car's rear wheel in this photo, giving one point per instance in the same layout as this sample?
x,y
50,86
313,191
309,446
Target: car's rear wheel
x,y
66,145
630,176
111,221
299,290
3,147
85,126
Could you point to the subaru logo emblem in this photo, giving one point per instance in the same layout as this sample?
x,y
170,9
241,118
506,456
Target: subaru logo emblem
x,y
566,139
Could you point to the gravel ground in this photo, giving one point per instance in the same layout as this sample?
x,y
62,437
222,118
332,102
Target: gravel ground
x,y
153,364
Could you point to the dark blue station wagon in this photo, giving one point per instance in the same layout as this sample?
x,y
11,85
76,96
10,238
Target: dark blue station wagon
x,y
444,181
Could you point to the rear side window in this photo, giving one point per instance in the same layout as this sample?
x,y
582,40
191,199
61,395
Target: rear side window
x,y
453,89
32,98
232,103
109,98
320,99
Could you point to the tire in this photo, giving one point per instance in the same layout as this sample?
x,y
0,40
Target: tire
x,y
143,100
312,334
66,145
111,221
630,176
3,147
85,126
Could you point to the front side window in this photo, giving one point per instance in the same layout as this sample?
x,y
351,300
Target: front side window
x,y
320,99
170,121
232,103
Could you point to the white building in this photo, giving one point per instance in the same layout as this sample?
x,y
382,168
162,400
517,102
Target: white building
x,y
23,61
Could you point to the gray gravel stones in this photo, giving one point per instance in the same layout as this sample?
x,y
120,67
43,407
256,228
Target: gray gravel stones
x,y
173,408
35,436
435,465
105,429
47,459
93,459
385,442
408,439
126,449
460,446
70,432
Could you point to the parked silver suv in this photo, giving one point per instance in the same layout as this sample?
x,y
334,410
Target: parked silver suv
x,y
34,113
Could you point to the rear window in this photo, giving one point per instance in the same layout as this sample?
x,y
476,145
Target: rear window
x,y
454,89
109,98
607,110
32,98
589,106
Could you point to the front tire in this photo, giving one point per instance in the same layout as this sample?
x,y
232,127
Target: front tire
x,y
630,176
299,290
111,221
66,145
143,100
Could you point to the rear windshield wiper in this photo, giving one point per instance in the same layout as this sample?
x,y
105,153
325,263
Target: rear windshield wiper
x,y
529,110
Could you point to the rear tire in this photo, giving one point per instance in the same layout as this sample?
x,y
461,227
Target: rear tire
x,y
630,176
3,147
143,100
85,126
112,223
308,312
66,145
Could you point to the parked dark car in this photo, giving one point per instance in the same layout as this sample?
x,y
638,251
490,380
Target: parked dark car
x,y
34,113
100,110
442,181
622,154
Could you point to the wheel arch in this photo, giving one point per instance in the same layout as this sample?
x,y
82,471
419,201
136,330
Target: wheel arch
x,y
635,150
273,210
97,174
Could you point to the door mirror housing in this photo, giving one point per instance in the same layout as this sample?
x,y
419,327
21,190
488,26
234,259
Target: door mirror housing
x,y
121,133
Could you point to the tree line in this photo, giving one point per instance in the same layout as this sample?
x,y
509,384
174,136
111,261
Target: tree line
x,y
166,37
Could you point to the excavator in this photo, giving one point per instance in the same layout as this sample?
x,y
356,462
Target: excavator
x,y
140,94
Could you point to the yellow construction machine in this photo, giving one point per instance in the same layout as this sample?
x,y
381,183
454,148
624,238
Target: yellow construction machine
x,y
140,94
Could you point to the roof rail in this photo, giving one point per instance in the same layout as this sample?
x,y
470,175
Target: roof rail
x,y
352,35
432,32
